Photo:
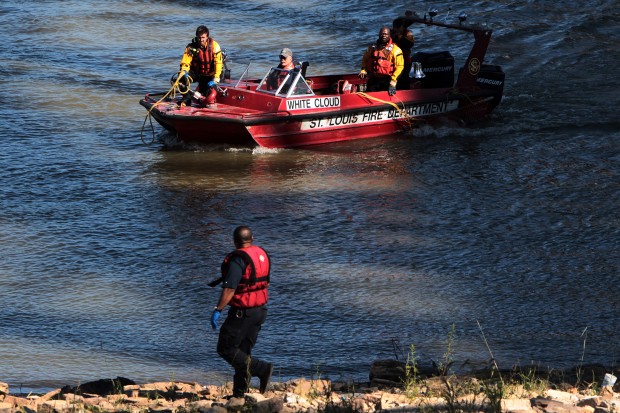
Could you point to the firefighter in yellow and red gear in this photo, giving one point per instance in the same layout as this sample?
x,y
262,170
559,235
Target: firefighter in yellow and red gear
x,y
202,62
404,39
382,63
245,278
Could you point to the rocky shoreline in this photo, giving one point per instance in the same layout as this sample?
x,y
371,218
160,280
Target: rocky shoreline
x,y
392,388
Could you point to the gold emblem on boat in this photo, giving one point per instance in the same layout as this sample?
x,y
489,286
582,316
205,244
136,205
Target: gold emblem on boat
x,y
474,66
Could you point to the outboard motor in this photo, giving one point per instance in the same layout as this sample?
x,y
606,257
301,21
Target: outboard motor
x,y
438,69
492,77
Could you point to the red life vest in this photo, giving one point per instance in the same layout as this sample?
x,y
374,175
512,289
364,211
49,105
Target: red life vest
x,y
252,289
380,64
203,59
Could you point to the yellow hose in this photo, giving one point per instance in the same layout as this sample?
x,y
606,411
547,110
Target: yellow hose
x,y
174,89
402,112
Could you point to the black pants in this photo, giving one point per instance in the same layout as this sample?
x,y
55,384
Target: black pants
x,y
237,338
377,84
203,81
403,79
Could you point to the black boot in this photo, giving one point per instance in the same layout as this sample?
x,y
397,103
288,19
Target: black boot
x,y
265,378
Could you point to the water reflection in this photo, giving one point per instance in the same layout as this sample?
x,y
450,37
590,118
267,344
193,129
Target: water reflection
x,y
373,164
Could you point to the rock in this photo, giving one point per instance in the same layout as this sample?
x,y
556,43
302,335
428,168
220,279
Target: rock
x,y
274,405
217,409
590,401
394,372
6,407
73,398
102,387
387,371
104,406
93,401
48,396
554,406
360,404
4,388
562,396
516,405
606,392
344,387
54,406
19,402
255,398
291,398
235,402
132,390
309,388
389,400
200,406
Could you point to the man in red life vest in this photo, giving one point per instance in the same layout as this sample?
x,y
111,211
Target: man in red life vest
x,y
403,39
245,278
382,63
202,61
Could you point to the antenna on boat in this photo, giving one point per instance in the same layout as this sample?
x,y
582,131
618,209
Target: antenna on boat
x,y
244,73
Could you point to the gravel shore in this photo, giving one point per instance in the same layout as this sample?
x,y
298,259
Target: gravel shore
x,y
586,389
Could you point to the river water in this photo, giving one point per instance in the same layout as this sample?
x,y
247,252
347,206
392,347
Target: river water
x,y
509,230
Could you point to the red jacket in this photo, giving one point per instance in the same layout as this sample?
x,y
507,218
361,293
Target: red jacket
x,y
252,289
203,62
385,62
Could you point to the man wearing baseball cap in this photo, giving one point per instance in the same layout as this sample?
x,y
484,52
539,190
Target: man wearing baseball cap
x,y
286,59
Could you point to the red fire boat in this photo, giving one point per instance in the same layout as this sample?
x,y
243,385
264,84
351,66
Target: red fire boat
x,y
307,110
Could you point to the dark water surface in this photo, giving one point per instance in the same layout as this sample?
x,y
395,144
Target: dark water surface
x,y
107,243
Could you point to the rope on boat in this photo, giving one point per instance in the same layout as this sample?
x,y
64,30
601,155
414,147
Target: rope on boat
x,y
401,110
177,87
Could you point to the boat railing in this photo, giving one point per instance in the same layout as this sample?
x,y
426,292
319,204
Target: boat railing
x,y
285,83
245,72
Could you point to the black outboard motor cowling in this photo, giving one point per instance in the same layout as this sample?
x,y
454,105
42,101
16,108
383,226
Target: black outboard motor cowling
x,y
491,77
438,68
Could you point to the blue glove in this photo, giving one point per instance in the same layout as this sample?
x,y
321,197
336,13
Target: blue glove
x,y
392,91
212,84
214,317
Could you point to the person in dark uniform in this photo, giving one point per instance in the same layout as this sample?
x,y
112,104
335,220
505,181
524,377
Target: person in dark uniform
x,y
245,281
404,39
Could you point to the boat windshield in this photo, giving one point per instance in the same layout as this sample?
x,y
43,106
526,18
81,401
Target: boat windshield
x,y
284,83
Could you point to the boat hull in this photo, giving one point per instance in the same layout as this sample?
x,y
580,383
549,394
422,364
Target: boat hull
x,y
358,117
